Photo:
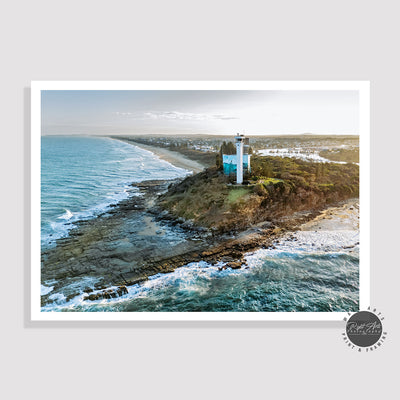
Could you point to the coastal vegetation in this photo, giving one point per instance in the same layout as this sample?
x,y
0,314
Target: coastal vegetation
x,y
172,223
346,155
227,148
276,187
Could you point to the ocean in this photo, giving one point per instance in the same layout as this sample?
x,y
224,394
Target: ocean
x,y
82,176
315,269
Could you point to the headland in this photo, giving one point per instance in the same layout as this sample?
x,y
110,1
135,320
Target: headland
x,y
203,217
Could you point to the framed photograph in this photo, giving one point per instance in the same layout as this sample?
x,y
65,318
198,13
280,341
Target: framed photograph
x,y
197,200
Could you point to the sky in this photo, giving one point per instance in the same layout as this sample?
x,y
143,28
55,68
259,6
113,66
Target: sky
x,y
91,112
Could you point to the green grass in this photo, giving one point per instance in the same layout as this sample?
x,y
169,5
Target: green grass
x,y
325,184
236,193
269,181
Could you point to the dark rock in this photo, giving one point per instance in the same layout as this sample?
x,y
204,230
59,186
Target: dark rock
x,y
122,290
94,247
234,265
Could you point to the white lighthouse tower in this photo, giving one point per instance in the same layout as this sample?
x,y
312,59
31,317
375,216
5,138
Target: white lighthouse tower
x,y
239,139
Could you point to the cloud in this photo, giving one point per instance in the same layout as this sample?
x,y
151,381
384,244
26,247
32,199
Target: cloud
x,y
175,115
223,117
123,114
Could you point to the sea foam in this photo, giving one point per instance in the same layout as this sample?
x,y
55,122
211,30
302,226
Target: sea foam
x,y
82,176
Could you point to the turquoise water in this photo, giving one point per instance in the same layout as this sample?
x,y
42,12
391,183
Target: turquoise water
x,y
82,176
279,281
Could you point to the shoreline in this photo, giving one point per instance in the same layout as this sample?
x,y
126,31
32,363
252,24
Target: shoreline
x,y
173,157
134,241
223,253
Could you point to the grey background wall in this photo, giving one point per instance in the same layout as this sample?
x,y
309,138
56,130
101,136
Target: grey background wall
x,y
180,40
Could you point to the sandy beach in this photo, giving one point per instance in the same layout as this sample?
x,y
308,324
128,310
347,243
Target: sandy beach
x,y
173,157
341,217
136,241
128,246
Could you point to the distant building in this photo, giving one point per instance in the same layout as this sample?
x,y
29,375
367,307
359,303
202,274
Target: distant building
x,y
239,162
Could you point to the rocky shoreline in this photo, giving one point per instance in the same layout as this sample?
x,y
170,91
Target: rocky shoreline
x,y
135,240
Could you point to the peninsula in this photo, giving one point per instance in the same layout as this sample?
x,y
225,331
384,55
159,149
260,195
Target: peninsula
x,y
204,217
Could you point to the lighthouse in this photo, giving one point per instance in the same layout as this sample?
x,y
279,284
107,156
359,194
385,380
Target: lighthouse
x,y
239,139
238,163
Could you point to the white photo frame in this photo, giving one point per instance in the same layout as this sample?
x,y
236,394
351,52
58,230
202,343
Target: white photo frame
x,y
37,87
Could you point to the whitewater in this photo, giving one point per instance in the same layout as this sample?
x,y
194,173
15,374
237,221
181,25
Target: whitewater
x,y
315,269
82,176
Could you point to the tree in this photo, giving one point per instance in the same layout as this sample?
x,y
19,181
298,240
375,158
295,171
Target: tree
x,y
226,148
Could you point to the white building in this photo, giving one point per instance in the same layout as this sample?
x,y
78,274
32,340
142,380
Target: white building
x,y
239,162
